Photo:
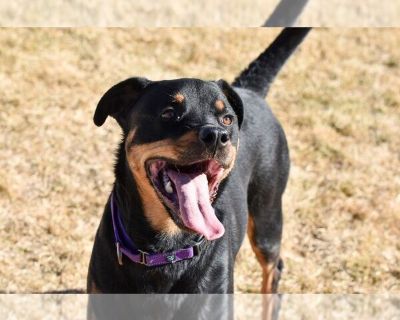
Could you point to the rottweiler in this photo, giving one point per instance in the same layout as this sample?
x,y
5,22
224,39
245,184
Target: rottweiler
x,y
199,164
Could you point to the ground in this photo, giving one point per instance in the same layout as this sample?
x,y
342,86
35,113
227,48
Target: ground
x,y
188,13
337,98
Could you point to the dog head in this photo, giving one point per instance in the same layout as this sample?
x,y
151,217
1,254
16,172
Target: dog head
x,y
181,138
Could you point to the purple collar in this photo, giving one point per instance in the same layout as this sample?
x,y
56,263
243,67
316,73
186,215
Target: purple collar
x,y
126,246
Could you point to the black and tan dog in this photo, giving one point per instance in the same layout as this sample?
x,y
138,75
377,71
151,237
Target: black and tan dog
x,y
185,189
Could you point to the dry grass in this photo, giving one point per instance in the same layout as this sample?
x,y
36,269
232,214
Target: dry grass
x,y
337,99
188,13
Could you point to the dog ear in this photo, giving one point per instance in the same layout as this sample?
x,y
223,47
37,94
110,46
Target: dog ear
x,y
233,98
118,100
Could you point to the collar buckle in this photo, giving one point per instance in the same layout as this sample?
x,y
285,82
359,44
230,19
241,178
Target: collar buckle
x,y
143,255
119,253
197,248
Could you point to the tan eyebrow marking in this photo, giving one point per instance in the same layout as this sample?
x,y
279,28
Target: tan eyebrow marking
x,y
179,97
219,105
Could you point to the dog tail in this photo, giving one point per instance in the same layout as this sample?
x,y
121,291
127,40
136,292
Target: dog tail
x,y
285,13
259,75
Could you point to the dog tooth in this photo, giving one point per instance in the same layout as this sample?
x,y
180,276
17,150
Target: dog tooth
x,y
168,187
165,177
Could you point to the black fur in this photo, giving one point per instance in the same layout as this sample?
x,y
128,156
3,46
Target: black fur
x,y
285,13
254,186
262,71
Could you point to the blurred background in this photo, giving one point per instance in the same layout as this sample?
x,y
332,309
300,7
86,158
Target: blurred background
x,y
187,13
238,307
338,100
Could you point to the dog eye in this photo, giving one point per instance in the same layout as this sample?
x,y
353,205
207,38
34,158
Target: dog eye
x,y
168,114
227,120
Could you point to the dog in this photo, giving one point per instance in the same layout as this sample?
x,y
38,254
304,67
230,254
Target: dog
x,y
285,13
200,164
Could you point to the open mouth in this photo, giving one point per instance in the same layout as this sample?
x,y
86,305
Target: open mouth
x,y
189,190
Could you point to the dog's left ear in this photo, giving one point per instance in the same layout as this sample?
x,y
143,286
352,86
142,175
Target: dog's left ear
x,y
118,100
233,98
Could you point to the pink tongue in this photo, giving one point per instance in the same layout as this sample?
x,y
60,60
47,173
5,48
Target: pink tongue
x,y
194,204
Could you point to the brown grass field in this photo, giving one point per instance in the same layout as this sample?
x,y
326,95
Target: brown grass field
x,y
189,13
338,99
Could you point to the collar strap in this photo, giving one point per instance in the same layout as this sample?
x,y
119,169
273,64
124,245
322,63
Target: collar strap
x,y
126,246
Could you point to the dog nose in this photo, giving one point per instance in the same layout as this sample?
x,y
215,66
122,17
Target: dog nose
x,y
213,137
